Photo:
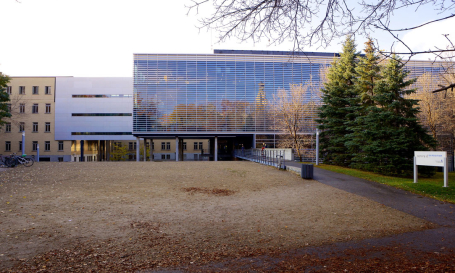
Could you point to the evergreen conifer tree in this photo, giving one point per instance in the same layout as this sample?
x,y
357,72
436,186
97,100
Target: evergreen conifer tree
x,y
366,83
391,130
339,101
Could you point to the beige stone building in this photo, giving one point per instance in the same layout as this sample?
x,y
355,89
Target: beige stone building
x,y
32,107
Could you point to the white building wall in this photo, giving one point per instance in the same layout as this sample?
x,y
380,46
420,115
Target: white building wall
x,y
66,105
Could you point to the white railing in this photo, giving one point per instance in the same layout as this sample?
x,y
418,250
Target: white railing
x,y
271,157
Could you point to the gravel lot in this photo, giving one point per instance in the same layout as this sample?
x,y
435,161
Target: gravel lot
x,y
125,216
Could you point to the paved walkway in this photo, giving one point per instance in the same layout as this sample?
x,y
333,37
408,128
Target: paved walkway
x,y
432,240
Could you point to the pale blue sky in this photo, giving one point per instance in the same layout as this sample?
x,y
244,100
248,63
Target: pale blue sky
x,y
97,38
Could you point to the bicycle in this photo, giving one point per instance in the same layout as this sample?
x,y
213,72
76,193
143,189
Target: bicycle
x,y
22,160
7,162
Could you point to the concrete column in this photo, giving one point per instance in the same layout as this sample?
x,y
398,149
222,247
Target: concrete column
x,y
177,149
216,149
108,150
151,149
254,141
82,151
145,149
138,143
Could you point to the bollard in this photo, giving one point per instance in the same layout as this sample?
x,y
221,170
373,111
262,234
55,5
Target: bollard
x,y
307,171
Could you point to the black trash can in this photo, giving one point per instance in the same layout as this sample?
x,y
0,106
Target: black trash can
x,y
307,171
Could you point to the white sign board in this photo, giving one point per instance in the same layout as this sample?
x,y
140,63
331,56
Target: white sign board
x,y
430,158
437,159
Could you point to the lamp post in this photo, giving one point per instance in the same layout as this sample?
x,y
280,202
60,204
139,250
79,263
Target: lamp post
x,y
23,142
317,147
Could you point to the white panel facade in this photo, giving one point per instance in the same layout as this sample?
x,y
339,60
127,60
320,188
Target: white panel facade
x,y
93,100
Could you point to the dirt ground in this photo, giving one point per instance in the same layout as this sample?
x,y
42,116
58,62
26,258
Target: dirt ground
x,y
126,216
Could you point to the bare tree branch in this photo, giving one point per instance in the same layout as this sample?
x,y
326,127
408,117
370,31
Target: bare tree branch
x,y
416,27
313,23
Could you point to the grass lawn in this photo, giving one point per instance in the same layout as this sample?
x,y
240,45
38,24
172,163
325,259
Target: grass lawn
x,y
431,187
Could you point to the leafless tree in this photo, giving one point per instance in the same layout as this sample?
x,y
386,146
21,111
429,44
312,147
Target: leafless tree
x,y
437,109
447,73
16,103
295,111
315,23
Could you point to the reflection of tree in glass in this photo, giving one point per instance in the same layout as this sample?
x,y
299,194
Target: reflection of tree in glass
x,y
145,112
260,110
233,115
191,117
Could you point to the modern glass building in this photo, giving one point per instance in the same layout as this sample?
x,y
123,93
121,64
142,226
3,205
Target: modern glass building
x,y
226,94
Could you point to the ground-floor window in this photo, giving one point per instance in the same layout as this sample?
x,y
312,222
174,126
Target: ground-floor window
x,y
7,146
47,145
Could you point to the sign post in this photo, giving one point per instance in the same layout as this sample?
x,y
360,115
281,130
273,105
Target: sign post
x,y
317,147
436,159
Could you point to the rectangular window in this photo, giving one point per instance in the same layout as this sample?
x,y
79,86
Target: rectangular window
x,y
8,127
163,156
9,90
21,127
35,90
47,90
9,107
35,145
22,108
47,145
195,145
7,146
168,145
20,145
48,108
47,127
35,108
35,127
60,145
130,145
21,90
200,146
168,156
184,146
60,159
163,145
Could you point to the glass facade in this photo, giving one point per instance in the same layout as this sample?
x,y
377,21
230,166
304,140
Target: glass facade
x,y
223,93
214,93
